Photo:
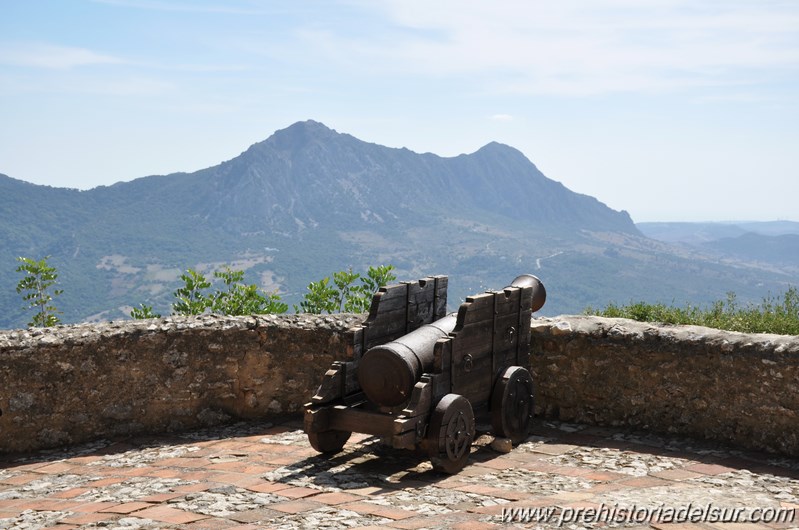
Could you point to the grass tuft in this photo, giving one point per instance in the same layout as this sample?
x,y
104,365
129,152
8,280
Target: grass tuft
x,y
775,314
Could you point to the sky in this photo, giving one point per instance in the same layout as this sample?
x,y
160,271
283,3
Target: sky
x,y
673,110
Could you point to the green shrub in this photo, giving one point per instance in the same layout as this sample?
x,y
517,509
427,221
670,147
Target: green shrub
x,y
344,295
39,278
775,314
237,298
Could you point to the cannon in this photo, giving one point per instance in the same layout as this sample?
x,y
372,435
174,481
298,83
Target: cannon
x,y
418,377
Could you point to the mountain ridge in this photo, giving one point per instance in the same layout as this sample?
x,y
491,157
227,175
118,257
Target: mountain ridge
x,y
309,200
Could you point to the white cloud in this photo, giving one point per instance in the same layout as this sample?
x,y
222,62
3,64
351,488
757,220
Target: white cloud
x,y
52,57
502,117
579,47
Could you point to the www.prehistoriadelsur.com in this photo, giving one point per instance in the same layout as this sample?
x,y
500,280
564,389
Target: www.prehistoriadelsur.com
x,y
662,513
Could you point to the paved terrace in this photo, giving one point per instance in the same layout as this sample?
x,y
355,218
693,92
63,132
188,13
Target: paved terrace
x,y
267,476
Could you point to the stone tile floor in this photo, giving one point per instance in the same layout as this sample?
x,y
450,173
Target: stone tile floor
x,y
258,475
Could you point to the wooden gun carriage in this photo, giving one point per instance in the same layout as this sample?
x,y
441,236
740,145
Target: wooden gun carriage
x,y
417,377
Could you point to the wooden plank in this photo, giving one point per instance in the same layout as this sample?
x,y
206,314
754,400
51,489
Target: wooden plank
x,y
440,303
332,384
388,298
473,339
404,441
350,383
475,383
350,419
420,305
507,301
475,309
527,298
316,420
506,332
523,348
442,384
503,359
354,340
390,326
442,354
405,424
421,397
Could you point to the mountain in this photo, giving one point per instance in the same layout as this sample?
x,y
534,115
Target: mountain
x,y
309,200
698,233
764,243
781,249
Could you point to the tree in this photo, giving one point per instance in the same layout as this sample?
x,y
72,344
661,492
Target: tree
x,y
190,298
376,277
241,299
345,297
236,298
39,278
346,291
320,298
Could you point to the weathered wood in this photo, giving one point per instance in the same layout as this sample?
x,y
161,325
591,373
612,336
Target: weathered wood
x,y
406,440
475,309
429,377
354,340
354,419
474,338
316,419
399,309
390,326
421,398
421,303
332,385
349,383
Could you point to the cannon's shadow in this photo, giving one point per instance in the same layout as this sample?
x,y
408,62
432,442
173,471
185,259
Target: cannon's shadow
x,y
369,464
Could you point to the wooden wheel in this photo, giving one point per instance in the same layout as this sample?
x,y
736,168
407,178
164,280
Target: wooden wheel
x,y
512,404
331,441
450,433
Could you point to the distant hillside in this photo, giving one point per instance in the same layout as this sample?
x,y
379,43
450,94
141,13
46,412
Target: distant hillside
x,y
782,249
309,200
770,242
697,233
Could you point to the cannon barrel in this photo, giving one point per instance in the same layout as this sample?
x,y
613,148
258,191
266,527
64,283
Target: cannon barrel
x,y
388,373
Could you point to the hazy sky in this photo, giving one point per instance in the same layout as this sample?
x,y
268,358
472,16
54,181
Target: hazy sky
x,y
669,109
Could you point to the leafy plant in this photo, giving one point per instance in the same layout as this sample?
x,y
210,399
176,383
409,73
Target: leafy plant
x,y
778,314
379,276
350,298
241,299
143,311
39,278
190,298
320,298
236,298
345,296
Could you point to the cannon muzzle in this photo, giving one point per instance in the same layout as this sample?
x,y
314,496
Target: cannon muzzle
x,y
388,373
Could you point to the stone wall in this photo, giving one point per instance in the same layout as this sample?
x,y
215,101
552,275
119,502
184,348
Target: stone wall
x,y
736,388
71,384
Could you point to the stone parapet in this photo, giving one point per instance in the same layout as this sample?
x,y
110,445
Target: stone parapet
x,y
71,384
736,388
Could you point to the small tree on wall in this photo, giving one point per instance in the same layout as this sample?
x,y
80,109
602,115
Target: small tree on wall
x,y
344,294
39,278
